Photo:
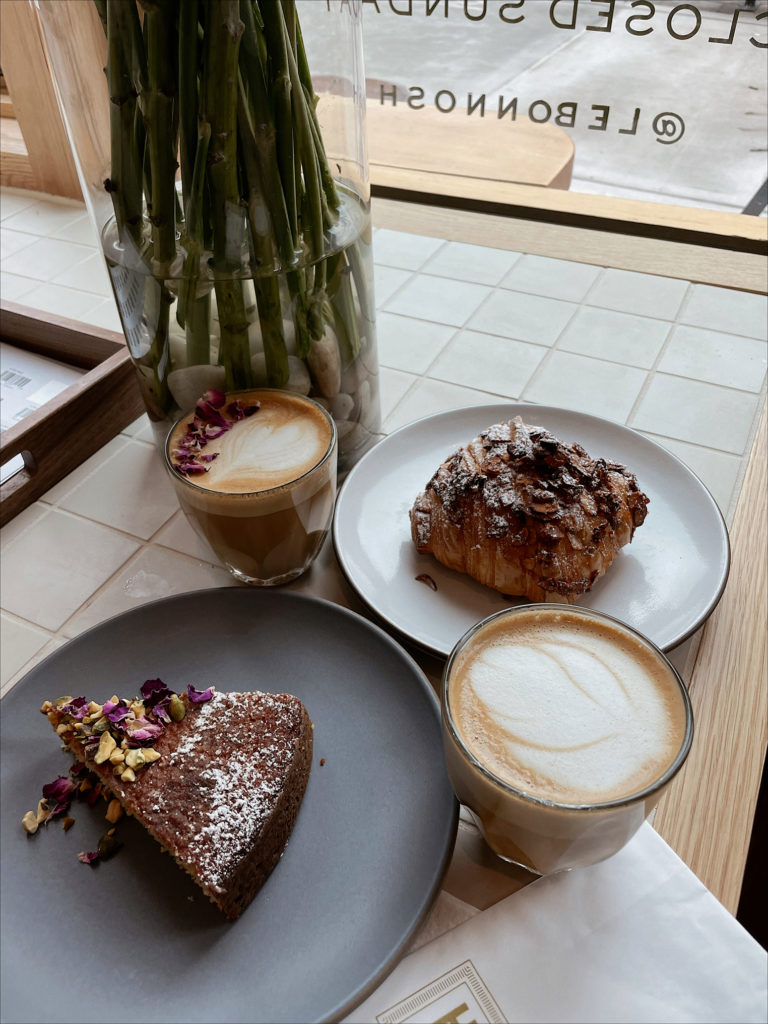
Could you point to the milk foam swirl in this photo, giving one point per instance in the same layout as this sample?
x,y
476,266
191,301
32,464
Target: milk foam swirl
x,y
264,448
280,442
569,713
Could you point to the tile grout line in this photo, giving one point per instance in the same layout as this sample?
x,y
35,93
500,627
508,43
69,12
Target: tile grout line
x,y
554,347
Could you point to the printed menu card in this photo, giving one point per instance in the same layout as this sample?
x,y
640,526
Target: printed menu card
x,y
636,938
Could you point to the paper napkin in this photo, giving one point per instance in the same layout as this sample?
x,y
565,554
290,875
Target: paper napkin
x,y
636,938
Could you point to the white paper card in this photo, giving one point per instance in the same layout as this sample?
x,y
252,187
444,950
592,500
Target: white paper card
x,y
635,939
27,381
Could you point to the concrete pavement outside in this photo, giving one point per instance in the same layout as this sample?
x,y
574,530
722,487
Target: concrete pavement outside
x,y
665,101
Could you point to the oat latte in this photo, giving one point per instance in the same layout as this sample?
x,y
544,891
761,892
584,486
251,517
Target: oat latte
x,y
255,473
563,709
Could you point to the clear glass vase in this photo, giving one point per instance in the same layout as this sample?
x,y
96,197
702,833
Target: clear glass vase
x,y
230,194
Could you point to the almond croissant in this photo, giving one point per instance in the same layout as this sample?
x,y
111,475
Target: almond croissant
x,y
523,512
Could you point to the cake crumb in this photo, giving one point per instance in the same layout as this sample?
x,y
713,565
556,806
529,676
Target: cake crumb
x,y
322,761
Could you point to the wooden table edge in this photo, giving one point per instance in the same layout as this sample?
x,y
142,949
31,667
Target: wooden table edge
x,y
708,812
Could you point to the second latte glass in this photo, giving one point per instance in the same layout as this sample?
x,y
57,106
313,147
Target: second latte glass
x,y
562,728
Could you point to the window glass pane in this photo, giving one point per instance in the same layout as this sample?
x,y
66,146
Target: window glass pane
x,y
658,101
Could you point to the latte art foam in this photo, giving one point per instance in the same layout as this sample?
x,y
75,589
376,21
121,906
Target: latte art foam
x,y
567,709
277,444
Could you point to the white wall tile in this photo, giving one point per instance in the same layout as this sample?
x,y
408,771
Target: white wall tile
x,y
89,276
13,241
104,314
14,200
723,309
464,262
46,258
404,250
48,648
18,643
558,279
46,216
13,287
156,572
63,561
141,429
80,230
725,359
393,384
431,396
54,495
489,363
439,299
386,281
408,344
703,414
129,491
55,298
179,535
617,337
20,523
587,385
524,317
718,471
645,294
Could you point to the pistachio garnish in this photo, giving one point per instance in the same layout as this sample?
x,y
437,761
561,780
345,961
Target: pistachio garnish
x,y
177,708
106,746
108,845
135,758
101,724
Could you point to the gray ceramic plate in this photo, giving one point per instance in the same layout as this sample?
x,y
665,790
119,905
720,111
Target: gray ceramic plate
x,y
133,938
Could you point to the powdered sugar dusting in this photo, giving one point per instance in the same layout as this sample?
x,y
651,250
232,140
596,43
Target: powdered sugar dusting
x,y
220,783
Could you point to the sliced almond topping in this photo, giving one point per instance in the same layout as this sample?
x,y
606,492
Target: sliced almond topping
x,y
30,823
114,810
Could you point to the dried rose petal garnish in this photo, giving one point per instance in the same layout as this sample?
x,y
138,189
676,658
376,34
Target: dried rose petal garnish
x,y
207,425
61,790
199,696
100,730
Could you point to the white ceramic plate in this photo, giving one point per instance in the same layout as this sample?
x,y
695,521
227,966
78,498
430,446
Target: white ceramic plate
x,y
664,584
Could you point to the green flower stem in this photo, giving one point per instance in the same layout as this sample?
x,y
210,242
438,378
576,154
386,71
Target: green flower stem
x,y
196,310
125,182
219,106
188,98
329,185
280,89
257,134
158,103
265,284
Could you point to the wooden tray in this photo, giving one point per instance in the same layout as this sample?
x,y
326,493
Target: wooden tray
x,y
69,428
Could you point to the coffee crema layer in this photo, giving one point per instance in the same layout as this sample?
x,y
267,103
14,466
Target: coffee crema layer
x,y
276,445
567,708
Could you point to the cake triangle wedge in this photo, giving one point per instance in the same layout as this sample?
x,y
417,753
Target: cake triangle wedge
x,y
216,778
